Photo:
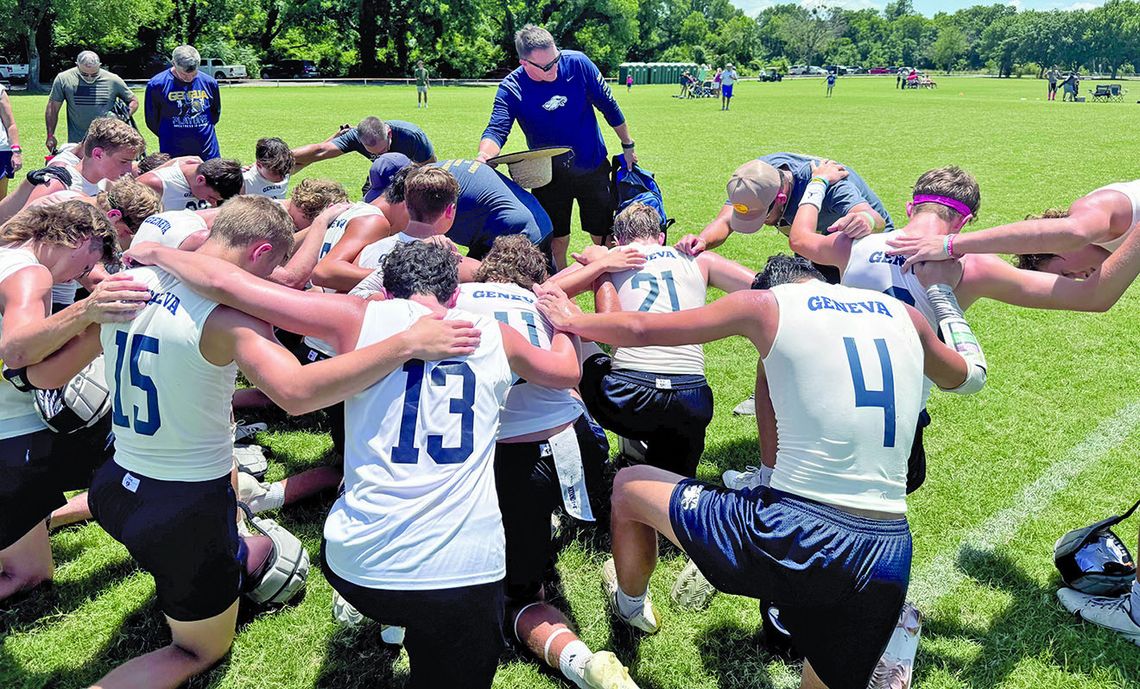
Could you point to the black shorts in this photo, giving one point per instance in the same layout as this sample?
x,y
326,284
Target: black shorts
x,y
669,413
916,463
37,468
183,533
592,192
454,636
529,492
839,580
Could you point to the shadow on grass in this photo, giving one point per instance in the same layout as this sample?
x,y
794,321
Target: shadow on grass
x,y
28,611
1033,625
358,659
736,656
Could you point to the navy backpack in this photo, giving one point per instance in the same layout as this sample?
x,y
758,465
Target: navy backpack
x,y
636,186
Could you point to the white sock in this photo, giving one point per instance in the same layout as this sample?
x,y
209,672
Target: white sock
x,y
572,662
1135,602
629,605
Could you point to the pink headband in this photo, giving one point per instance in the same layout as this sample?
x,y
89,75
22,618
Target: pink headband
x,y
953,204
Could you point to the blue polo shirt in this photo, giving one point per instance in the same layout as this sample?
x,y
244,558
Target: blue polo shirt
x,y
407,138
492,205
182,115
840,199
559,112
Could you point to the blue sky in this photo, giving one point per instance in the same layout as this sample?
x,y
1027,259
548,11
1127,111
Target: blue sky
x,y
927,7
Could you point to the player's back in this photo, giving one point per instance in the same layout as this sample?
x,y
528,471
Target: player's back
x,y
419,509
255,184
176,194
171,407
169,228
669,281
529,408
845,376
339,225
869,267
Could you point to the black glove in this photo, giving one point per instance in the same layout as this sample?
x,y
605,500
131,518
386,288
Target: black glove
x,y
46,174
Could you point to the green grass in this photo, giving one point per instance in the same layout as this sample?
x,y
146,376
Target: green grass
x,y
1054,378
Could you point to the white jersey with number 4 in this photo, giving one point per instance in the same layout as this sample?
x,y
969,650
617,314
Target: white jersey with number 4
x,y
17,412
669,281
845,377
170,228
171,408
257,185
176,194
529,408
419,509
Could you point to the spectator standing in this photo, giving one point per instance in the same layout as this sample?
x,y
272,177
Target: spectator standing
x,y
899,76
1053,75
182,107
89,91
421,85
830,83
628,83
684,81
716,81
11,158
553,95
727,78
1069,88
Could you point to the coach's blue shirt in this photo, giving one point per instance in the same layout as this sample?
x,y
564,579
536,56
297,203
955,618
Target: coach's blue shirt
x,y
492,205
182,115
559,112
840,199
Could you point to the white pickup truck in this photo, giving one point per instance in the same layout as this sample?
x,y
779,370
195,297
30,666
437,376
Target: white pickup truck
x,y
216,69
13,73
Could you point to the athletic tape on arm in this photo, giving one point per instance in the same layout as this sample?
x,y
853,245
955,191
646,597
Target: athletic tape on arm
x,y
957,334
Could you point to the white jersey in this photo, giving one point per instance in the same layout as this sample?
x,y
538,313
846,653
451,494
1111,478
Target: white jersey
x,y
1132,191
529,408
669,281
171,408
81,184
66,156
17,413
869,267
176,194
845,376
64,293
333,235
169,229
372,256
419,509
257,185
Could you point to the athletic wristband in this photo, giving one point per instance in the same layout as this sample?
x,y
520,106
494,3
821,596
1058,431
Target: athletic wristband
x,y
820,179
956,333
18,377
15,149
813,195
870,219
628,147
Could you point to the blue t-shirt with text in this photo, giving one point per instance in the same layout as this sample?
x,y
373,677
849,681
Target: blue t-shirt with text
x,y
183,114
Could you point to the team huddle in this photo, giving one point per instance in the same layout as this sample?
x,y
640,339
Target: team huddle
x,y
468,394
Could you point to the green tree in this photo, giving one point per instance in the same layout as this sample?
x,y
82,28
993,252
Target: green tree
x,y
695,29
1114,33
949,47
738,39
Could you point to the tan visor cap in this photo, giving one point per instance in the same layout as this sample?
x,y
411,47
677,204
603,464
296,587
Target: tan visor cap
x,y
751,191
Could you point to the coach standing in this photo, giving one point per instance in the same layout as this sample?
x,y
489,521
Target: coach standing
x,y
553,95
89,91
182,107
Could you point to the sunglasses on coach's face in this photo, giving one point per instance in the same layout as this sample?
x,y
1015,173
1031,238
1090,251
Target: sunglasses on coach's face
x,y
548,66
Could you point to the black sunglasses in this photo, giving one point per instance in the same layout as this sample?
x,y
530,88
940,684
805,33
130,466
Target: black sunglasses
x,y
548,66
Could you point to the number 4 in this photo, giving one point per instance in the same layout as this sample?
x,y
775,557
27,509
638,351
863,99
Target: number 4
x,y
884,398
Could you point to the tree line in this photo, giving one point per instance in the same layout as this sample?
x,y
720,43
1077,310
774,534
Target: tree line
x,y
472,38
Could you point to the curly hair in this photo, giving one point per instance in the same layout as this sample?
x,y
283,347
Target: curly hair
x,y
135,201
421,268
513,259
1037,261
70,224
782,269
312,196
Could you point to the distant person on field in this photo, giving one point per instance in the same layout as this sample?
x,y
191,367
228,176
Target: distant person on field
x,y
182,107
421,85
716,81
629,83
899,76
830,83
1052,75
727,78
89,92
11,158
684,81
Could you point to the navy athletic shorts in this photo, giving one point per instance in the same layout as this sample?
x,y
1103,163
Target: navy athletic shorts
x,y
669,413
839,580
592,192
38,467
7,169
184,533
529,492
454,636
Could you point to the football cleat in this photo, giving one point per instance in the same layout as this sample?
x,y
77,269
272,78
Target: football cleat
x,y
751,477
746,408
896,666
692,591
646,619
1110,613
604,671
246,431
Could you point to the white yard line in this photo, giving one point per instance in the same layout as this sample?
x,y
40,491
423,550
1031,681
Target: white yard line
x,y
942,574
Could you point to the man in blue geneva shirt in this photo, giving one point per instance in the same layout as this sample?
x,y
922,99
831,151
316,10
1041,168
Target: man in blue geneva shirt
x,y
182,107
552,95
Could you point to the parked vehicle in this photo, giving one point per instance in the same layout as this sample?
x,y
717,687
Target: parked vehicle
x,y
838,69
855,69
290,69
13,72
881,70
797,70
215,68
770,75
816,70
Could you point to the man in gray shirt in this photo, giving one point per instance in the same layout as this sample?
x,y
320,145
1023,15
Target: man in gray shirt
x,y
90,92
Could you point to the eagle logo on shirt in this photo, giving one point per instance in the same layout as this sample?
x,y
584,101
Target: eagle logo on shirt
x,y
554,103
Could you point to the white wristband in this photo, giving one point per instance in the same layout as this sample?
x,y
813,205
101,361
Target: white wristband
x,y
814,194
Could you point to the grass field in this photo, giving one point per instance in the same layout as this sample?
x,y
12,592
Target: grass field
x,y
1051,444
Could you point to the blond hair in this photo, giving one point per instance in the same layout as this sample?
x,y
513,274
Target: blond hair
x,y
243,220
70,224
110,133
135,201
312,196
952,182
